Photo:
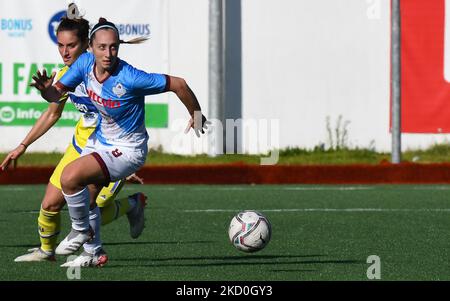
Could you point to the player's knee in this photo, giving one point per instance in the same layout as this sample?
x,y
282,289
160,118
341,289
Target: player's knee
x,y
70,182
52,206
53,200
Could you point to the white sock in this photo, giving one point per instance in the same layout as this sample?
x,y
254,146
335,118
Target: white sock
x,y
95,221
78,205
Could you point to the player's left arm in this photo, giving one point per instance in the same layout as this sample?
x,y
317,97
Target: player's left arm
x,y
155,83
179,86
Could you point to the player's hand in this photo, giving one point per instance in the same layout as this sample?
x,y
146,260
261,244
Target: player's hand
x,y
12,157
133,178
199,124
41,81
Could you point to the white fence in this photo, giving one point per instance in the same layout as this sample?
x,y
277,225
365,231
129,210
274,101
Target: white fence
x,y
303,61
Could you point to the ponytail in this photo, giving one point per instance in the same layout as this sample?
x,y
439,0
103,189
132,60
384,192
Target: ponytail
x,y
138,40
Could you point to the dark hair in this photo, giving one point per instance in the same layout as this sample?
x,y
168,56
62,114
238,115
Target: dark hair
x,y
105,24
77,23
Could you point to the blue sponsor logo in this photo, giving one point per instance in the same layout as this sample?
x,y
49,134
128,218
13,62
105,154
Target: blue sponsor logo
x,y
53,24
133,29
16,27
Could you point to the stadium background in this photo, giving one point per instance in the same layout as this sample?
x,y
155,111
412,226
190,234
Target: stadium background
x,y
295,62
301,62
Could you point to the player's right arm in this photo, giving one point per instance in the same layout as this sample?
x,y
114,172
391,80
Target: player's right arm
x,y
50,92
42,125
69,81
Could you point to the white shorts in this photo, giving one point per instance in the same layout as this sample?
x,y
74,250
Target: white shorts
x,y
117,162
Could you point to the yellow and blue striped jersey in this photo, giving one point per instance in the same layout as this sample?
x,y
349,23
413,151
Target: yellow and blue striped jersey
x,y
89,118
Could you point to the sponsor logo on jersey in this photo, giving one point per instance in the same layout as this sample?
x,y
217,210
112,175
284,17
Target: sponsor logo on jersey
x,y
107,103
119,90
80,107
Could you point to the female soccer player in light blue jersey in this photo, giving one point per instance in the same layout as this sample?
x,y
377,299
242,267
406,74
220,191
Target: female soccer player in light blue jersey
x,y
118,146
73,40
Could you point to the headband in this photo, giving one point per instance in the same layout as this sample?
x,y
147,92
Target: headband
x,y
105,25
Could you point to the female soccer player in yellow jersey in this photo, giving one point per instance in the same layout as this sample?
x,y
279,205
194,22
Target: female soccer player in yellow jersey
x,y
72,36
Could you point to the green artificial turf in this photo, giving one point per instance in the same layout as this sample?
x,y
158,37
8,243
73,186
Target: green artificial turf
x,y
320,232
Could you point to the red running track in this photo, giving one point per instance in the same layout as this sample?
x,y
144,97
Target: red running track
x,y
405,173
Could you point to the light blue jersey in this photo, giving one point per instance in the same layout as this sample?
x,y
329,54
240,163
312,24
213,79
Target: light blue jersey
x,y
119,98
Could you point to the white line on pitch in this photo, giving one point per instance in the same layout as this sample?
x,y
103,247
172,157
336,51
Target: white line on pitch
x,y
308,210
328,188
325,210
221,188
431,188
14,188
280,188
133,187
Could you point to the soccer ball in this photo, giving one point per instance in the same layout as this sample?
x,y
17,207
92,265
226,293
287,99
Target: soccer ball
x,y
249,231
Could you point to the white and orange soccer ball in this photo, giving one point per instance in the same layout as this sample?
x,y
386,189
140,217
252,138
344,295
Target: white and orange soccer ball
x,y
249,231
